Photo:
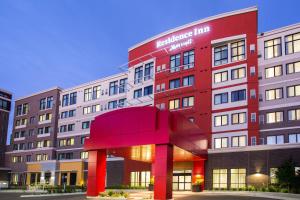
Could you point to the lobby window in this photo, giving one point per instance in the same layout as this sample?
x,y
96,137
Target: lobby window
x,y
96,92
238,73
294,138
86,125
273,177
175,83
238,95
221,142
220,55
238,50
221,77
71,127
273,48
137,93
134,179
238,118
148,90
294,114
96,108
43,104
113,88
175,63
148,74
275,71
87,110
65,100
174,104
273,94
138,75
274,117
49,102
238,141
275,139
188,81
88,94
292,68
84,155
123,85
188,59
112,104
238,178
73,98
219,178
293,91
122,103
221,98
221,120
292,43
145,178
187,101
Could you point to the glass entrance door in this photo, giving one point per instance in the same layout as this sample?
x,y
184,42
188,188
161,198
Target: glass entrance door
x,y
182,181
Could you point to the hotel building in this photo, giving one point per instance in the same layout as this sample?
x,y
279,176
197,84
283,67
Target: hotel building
x,y
233,92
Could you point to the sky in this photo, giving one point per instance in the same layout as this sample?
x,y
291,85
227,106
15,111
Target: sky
x,y
47,43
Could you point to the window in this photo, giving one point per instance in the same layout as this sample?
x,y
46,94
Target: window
x,y
219,178
293,91
294,138
148,71
238,141
187,101
40,131
221,120
19,110
220,55
134,179
71,127
84,155
112,104
96,108
45,117
30,145
273,178
238,73
175,63
238,50
31,120
188,59
72,113
30,132
63,128
188,81
238,118
65,156
294,114
113,88
138,75
238,95
221,77
43,104
238,178
292,43
44,143
292,68
275,139
174,104
88,94
273,94
221,142
274,117
73,98
82,140
174,83
137,93
253,117
145,178
47,129
49,102
253,141
273,48
65,100
87,110
28,158
123,85
275,71
148,90
122,103
85,125
17,159
64,114
221,98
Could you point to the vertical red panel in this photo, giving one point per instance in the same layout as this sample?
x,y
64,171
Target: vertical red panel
x,y
96,172
163,168
198,172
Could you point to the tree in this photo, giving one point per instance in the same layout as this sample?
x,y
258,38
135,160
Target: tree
x,y
286,174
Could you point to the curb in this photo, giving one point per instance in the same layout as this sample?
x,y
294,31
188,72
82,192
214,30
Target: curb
x,y
52,195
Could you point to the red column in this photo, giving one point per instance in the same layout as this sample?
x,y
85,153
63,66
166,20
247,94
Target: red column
x,y
96,172
163,169
198,172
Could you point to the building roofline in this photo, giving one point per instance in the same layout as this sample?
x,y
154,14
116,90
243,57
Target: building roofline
x,y
94,82
37,93
226,14
279,30
6,91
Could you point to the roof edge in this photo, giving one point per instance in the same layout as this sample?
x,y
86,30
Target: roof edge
x,y
278,30
6,91
37,93
226,14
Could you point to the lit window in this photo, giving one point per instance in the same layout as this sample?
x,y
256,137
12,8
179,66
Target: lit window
x,y
275,139
273,48
274,117
221,142
187,101
238,178
273,94
238,50
273,178
219,178
238,73
238,141
221,120
173,104
87,110
84,155
220,55
294,114
292,68
292,43
293,91
238,118
273,71
220,77
96,108
88,94
294,138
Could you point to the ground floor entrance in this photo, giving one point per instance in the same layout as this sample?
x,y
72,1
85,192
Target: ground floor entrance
x,y
182,180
